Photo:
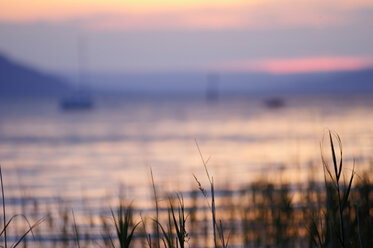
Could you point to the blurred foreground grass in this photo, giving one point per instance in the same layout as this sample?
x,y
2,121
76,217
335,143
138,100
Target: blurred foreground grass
x,y
336,212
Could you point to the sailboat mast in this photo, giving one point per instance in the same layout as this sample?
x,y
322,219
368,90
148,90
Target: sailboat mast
x,y
82,61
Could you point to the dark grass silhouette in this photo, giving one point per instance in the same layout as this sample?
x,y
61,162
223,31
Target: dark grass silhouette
x,y
333,213
6,224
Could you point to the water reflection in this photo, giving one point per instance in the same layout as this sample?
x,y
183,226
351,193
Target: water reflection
x,y
48,154
121,139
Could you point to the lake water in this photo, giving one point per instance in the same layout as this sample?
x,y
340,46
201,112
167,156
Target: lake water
x,y
55,152
47,153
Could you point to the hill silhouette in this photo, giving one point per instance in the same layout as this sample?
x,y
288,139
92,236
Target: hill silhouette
x,y
20,80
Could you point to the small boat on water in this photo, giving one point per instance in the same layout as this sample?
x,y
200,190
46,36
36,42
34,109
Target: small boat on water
x,y
78,101
80,98
274,103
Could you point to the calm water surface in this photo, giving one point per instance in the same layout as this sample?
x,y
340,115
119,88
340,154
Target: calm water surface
x,y
46,152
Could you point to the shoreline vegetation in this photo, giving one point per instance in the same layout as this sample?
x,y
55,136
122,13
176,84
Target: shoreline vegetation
x,y
336,212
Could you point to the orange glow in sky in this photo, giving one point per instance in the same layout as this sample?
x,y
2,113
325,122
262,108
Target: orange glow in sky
x,y
233,34
19,10
132,14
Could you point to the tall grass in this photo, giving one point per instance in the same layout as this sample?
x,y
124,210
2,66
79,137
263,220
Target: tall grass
x,y
6,224
124,225
177,219
156,226
215,227
76,230
336,186
335,212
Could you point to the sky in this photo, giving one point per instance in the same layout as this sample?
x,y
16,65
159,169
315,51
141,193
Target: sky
x,y
274,36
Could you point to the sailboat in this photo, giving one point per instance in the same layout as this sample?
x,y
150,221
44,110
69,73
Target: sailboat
x,y
80,99
77,101
274,103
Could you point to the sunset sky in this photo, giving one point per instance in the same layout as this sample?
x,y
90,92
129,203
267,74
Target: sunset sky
x,y
287,36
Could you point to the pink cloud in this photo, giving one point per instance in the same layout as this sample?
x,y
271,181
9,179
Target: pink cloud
x,y
300,65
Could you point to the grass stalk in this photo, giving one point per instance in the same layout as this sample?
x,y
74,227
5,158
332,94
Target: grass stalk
x,y
147,235
342,200
180,221
157,241
124,225
176,221
212,206
211,181
358,226
6,225
76,230
4,215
